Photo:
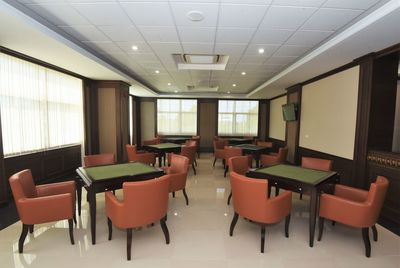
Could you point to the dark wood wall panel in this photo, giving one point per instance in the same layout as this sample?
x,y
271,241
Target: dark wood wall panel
x,y
293,127
208,111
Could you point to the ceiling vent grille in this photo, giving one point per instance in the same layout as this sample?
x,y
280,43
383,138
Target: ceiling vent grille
x,y
200,61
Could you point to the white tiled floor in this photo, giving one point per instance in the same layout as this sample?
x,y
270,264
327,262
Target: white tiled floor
x,y
199,238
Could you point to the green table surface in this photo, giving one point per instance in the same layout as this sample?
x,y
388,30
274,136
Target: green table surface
x,y
119,170
250,146
310,176
165,145
238,139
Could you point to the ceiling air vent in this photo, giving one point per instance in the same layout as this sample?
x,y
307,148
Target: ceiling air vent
x,y
200,61
202,89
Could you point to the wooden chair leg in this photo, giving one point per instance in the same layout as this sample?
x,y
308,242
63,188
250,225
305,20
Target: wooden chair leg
x,y
301,196
374,233
109,223
262,238
31,229
71,230
195,162
74,217
128,243
186,197
215,159
165,229
229,198
276,191
233,223
287,222
173,194
25,229
194,169
367,243
226,170
320,227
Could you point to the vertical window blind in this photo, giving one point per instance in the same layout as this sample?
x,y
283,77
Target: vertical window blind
x,y
40,108
237,118
176,117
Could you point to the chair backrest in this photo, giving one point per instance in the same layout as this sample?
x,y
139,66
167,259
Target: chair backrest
x,y
230,151
145,201
131,151
316,163
150,142
22,185
265,144
179,164
376,197
239,164
220,144
282,154
98,160
191,143
189,152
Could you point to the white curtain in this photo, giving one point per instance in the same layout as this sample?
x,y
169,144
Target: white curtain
x,y
40,108
237,118
176,117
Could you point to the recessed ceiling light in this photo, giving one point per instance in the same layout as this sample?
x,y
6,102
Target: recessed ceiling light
x,y
176,91
195,15
228,92
157,71
135,48
243,73
261,50
169,84
234,85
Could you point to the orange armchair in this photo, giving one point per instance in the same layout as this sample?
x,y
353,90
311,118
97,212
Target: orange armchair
x,y
133,155
43,203
354,207
240,165
197,139
177,174
98,160
219,150
250,200
144,203
229,152
274,159
265,144
316,163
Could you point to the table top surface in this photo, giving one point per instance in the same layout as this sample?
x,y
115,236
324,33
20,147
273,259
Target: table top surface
x,y
250,147
166,145
175,138
305,175
239,139
116,171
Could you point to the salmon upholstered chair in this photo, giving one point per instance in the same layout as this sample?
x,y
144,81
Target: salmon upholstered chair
x,y
197,139
316,163
250,200
151,142
240,165
144,202
98,160
177,174
265,144
230,151
42,203
354,207
219,150
268,160
189,152
134,155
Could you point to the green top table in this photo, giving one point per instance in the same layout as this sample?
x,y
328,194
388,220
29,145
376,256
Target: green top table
x,y
162,148
110,177
254,150
237,141
176,140
298,179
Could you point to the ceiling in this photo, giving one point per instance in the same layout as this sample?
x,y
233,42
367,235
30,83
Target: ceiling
x,y
288,30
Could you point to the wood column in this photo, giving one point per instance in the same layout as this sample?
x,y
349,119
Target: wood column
x,y
293,127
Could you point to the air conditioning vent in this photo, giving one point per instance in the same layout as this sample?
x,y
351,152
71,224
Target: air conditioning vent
x,y
202,88
200,61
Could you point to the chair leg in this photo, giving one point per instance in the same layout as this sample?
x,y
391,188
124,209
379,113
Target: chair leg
x,y
262,238
374,233
320,227
109,223
194,169
229,198
226,170
287,222
365,235
215,159
128,243
233,223
25,229
195,162
71,230
276,191
173,194
333,223
76,223
165,229
186,197
301,196
31,229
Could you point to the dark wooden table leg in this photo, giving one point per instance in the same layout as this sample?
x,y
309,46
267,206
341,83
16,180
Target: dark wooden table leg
x,y
92,205
313,214
257,158
78,183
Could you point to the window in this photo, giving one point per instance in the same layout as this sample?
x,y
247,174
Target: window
x,y
40,108
176,117
237,118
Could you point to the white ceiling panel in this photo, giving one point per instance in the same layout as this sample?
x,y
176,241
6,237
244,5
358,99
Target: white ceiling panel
x,y
149,14
291,51
209,11
353,4
103,13
308,38
120,33
241,15
196,34
302,3
104,46
166,47
59,14
85,33
267,36
159,33
127,47
249,2
234,35
144,58
279,60
198,48
291,18
328,19
253,50
252,60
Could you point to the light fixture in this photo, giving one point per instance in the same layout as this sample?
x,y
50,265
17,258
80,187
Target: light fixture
x,y
157,71
195,15
234,85
261,50
243,73
176,91
135,48
169,84
228,92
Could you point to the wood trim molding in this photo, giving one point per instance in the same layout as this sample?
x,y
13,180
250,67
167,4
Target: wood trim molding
x,y
385,159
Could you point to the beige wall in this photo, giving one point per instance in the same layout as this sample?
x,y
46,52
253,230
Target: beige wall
x,y
277,126
147,115
107,123
396,132
328,114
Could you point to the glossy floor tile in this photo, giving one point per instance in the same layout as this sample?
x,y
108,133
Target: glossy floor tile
x,y
199,237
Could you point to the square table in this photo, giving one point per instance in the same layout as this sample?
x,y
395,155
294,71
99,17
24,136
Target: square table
x,y
254,150
301,180
110,177
236,141
162,148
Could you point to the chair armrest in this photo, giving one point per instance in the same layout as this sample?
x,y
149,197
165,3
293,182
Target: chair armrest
x,y
279,207
45,209
114,208
56,188
354,194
